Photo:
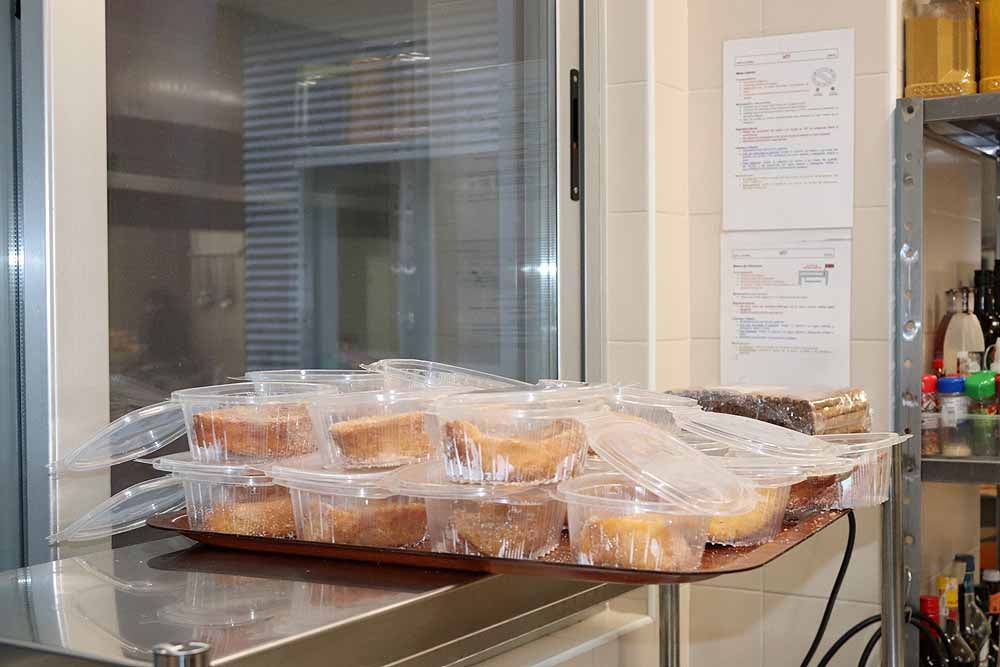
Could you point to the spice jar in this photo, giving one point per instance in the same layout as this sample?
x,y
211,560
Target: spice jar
x,y
940,39
954,416
981,389
930,417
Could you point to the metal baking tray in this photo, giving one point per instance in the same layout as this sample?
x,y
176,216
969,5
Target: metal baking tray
x,y
717,561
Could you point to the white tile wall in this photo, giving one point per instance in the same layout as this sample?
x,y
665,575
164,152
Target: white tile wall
x,y
673,278
627,277
628,362
671,150
810,569
870,279
873,113
705,151
705,362
673,364
869,18
737,638
790,622
870,370
709,23
671,43
626,44
626,147
705,275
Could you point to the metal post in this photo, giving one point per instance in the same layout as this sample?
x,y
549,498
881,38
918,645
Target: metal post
x,y
901,515
893,626
670,634
996,525
184,654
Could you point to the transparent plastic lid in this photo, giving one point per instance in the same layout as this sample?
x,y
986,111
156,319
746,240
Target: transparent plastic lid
x,y
253,393
548,383
754,436
860,443
589,490
434,374
591,398
764,471
346,380
312,473
136,434
184,467
628,394
125,511
655,460
428,480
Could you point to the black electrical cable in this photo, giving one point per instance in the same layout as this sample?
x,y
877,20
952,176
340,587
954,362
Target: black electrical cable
x,y
844,638
870,648
933,625
942,658
852,529
940,647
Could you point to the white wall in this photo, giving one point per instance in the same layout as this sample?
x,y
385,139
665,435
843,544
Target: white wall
x,y
670,104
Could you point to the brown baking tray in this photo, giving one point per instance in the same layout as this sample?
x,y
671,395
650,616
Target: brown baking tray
x,y
716,562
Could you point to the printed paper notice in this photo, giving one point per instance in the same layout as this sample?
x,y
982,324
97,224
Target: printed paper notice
x,y
788,131
786,307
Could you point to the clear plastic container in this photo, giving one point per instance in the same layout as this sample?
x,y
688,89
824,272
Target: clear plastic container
x,y
251,421
344,381
651,406
614,522
224,498
772,483
344,506
525,437
375,429
871,457
826,470
402,374
940,41
233,499
655,511
495,520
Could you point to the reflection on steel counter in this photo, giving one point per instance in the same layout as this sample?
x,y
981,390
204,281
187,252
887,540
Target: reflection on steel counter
x,y
114,606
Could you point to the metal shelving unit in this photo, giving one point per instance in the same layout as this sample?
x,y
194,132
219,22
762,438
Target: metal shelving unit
x,y
971,123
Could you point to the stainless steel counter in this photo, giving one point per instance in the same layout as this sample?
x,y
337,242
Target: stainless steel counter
x,y
111,607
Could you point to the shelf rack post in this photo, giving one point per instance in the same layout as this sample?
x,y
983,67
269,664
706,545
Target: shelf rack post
x,y
669,617
901,515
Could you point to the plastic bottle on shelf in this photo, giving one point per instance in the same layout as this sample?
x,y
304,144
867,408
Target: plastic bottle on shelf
x,y
940,43
930,416
952,435
975,625
991,579
930,605
951,309
963,334
962,654
981,390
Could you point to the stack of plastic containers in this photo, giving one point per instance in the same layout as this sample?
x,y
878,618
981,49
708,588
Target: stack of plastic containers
x,y
349,506
231,429
413,453
655,511
501,453
842,471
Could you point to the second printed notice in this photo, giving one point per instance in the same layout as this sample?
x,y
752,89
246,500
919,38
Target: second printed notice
x,y
788,131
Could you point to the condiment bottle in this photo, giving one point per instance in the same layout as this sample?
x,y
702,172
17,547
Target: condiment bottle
x,y
930,417
954,416
982,427
940,42
964,334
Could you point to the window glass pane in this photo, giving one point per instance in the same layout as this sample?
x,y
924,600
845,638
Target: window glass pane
x,y
320,184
